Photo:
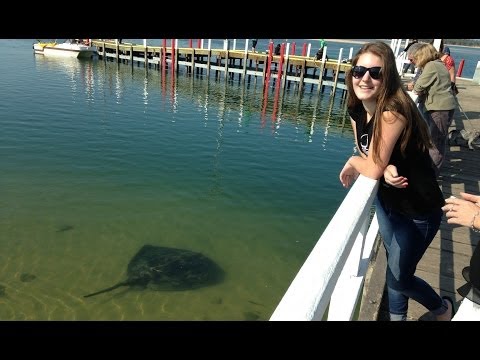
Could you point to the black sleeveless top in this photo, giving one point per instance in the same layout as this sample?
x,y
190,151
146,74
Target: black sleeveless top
x,y
423,194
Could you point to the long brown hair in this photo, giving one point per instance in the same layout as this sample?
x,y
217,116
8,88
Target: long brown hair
x,y
391,97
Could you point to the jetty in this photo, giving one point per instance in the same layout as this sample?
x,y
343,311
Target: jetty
x,y
282,70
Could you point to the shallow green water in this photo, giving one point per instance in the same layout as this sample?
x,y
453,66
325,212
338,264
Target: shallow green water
x,y
99,159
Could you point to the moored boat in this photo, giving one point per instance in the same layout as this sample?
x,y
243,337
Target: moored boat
x,y
69,48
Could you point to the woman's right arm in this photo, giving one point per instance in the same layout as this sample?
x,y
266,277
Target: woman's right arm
x,y
348,174
452,74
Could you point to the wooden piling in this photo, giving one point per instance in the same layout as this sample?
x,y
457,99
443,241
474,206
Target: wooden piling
x,y
337,71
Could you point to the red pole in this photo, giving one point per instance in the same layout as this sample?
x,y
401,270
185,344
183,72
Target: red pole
x,y
460,67
279,79
293,49
190,43
164,53
173,55
164,64
304,49
275,106
268,63
280,65
198,43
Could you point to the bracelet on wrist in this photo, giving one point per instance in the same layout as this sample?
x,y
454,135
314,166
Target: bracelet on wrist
x,y
472,225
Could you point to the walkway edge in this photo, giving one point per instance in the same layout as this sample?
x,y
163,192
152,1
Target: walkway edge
x,y
374,285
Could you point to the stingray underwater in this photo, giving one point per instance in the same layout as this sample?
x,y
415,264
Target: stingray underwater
x,y
164,268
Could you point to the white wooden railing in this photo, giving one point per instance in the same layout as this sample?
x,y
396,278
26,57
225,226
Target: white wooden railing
x,y
333,274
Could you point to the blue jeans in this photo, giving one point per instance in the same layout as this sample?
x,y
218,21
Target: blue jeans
x,y
406,239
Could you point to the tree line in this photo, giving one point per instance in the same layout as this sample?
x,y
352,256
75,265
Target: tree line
x,y
464,42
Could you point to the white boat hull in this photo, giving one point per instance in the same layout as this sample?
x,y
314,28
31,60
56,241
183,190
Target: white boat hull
x,y
72,50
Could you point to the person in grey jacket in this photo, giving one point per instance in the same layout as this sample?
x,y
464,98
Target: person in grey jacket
x,y
434,86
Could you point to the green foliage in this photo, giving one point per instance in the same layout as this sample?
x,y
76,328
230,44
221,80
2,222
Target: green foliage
x,y
464,42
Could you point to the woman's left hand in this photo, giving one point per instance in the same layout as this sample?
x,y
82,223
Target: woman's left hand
x,y
392,178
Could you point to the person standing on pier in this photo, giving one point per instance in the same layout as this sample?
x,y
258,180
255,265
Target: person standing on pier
x,y
435,87
277,49
254,44
323,43
389,129
409,65
449,62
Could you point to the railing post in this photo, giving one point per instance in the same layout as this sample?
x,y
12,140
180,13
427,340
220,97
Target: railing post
x,y
311,290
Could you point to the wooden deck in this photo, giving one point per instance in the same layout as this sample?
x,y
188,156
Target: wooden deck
x,y
303,70
453,246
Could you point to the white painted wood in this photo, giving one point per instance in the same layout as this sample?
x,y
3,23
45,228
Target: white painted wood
x,y
413,96
339,60
209,44
337,71
467,311
309,46
245,56
476,74
393,44
309,294
398,44
234,44
349,285
400,56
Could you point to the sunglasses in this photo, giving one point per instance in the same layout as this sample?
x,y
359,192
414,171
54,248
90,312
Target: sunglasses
x,y
359,71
